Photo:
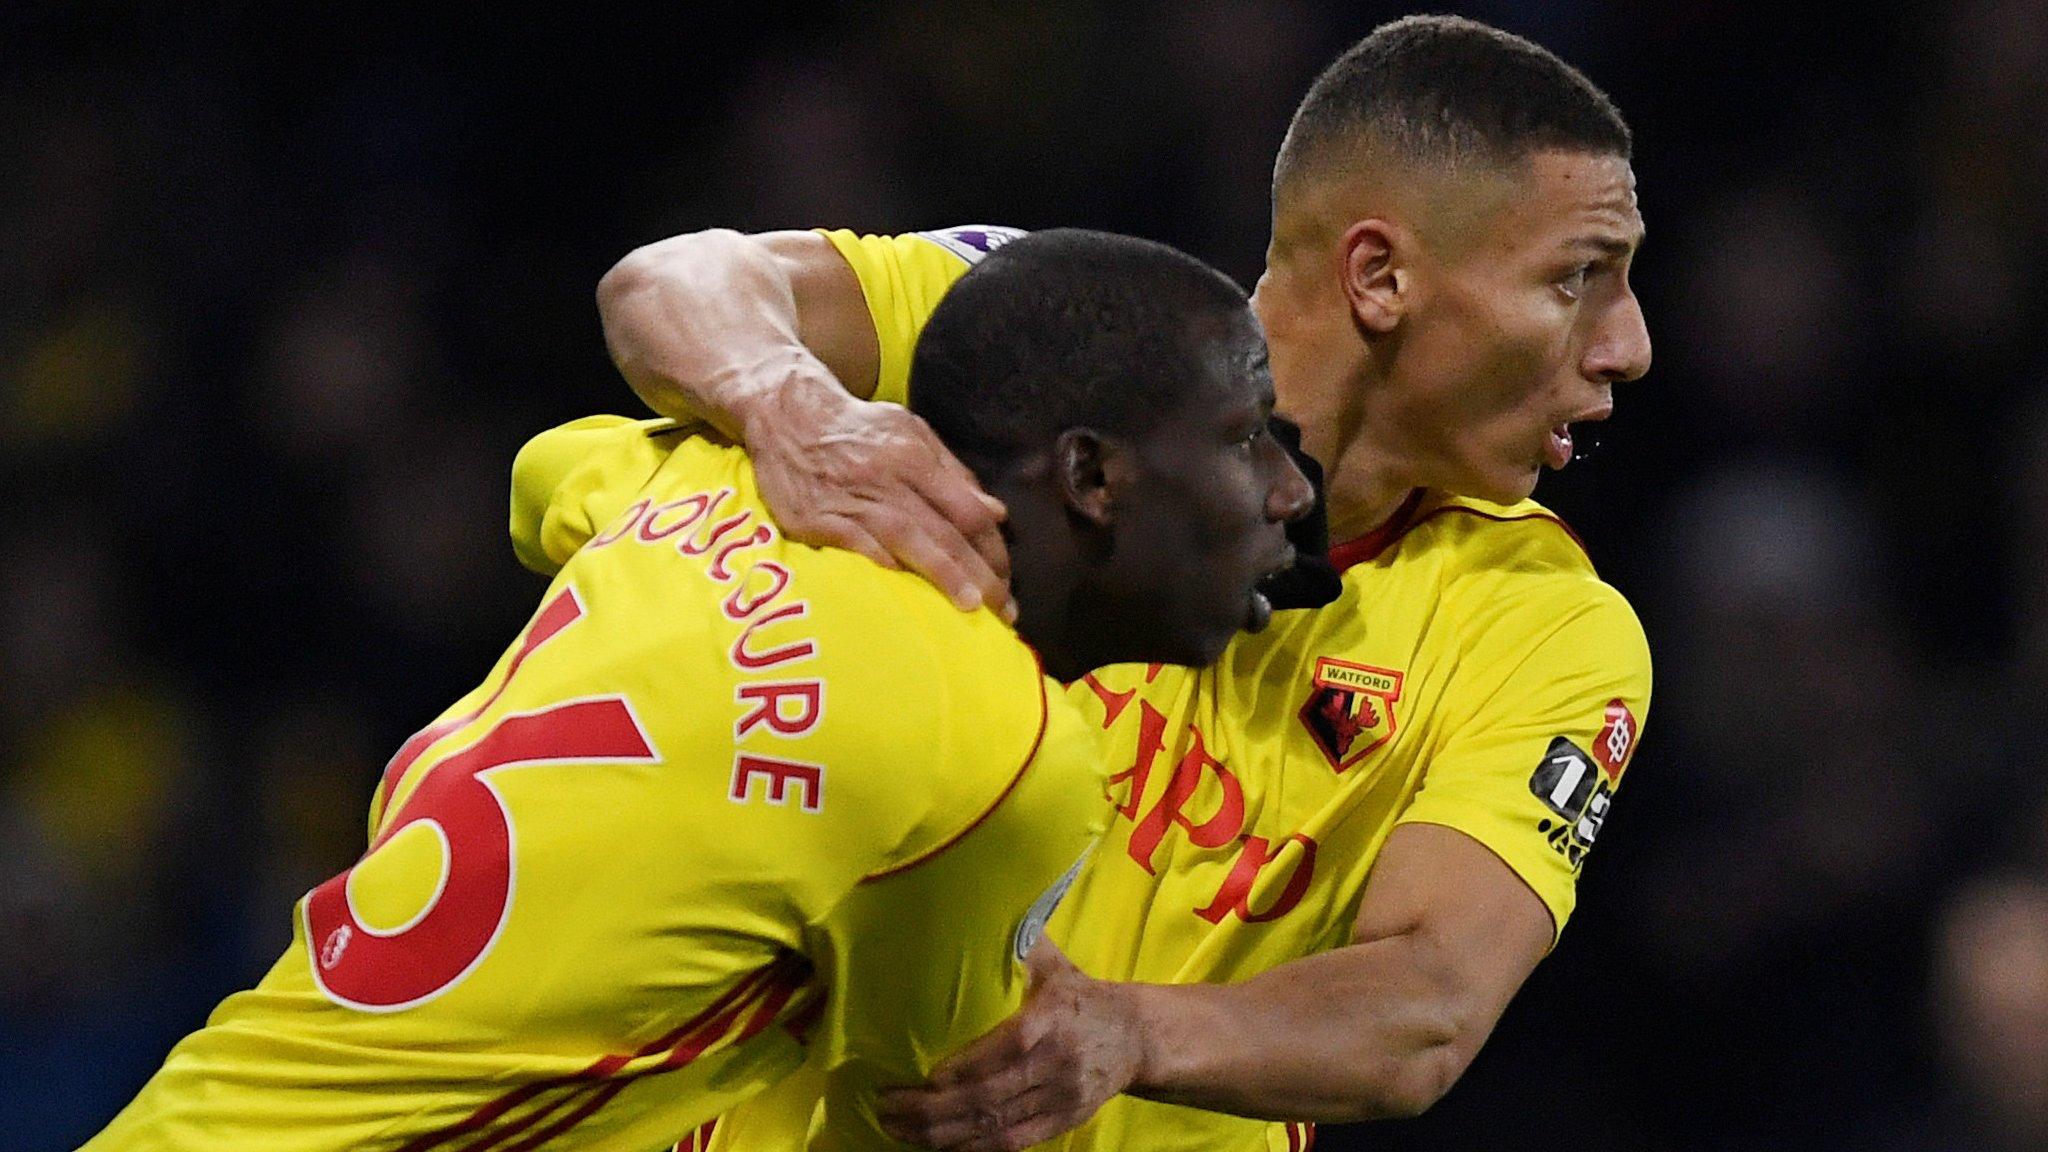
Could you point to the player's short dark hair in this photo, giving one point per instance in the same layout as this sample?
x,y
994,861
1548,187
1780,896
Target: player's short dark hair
x,y
1067,328
1444,90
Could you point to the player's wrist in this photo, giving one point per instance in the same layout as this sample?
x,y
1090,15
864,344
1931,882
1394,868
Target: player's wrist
x,y
789,397
1146,1014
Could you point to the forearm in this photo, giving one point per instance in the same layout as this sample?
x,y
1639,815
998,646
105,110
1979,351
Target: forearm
x,y
1370,1031
706,325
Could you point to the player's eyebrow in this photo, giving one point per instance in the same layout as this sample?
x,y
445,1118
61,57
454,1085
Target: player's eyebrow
x,y
1610,246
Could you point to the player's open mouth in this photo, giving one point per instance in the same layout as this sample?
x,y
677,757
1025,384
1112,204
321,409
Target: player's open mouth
x,y
1259,607
1258,613
1557,449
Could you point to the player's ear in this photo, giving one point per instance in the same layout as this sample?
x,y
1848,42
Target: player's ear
x,y
1375,279
1083,461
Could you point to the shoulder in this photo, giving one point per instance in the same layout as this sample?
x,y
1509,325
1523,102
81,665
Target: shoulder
x,y
971,242
902,279
1516,578
1477,536
945,252
959,689
950,708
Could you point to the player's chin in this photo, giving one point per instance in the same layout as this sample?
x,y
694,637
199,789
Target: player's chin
x,y
1508,483
1203,645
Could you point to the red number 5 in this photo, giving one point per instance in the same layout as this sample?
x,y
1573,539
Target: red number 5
x,y
384,970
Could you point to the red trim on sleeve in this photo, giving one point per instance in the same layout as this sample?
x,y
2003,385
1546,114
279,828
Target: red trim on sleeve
x,y
766,989
1044,716
1371,545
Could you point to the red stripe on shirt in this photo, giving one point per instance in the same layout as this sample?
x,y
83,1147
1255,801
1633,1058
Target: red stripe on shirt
x,y
1030,754
1374,543
508,1131
776,983
1368,547
598,1099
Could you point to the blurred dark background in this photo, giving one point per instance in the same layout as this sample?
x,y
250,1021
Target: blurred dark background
x,y
281,293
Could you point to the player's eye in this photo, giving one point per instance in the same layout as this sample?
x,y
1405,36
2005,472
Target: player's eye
x,y
1252,441
1573,285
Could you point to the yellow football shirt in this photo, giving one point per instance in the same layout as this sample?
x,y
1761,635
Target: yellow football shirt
x,y
1474,673
724,790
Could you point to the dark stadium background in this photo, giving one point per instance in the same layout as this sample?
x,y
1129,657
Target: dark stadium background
x,y
281,293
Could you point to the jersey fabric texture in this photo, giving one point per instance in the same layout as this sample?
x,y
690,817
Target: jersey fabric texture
x,y
1474,673
723,792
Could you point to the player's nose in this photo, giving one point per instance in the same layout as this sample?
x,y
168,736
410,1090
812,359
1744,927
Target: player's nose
x,y
1620,350
1291,495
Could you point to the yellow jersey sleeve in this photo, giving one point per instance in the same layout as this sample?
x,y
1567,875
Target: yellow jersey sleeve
x,y
1544,733
903,279
945,933
569,482
807,773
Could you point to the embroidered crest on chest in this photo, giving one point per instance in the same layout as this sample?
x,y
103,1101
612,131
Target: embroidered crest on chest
x,y
1351,709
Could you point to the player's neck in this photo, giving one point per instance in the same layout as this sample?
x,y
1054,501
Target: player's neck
x,y
1348,425
1066,652
1045,563
1362,492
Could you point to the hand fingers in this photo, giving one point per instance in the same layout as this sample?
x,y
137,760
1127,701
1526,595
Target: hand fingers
x,y
1046,962
1003,1046
1031,1118
833,530
885,487
1036,1114
985,1075
983,552
958,496
927,544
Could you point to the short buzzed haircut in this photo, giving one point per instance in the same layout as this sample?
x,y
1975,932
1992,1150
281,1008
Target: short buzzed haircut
x,y
1446,92
1069,328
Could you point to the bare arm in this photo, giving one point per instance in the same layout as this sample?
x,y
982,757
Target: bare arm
x,y
1446,936
708,323
1380,1028
768,338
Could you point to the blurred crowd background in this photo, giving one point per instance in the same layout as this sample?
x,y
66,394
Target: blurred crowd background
x,y
282,292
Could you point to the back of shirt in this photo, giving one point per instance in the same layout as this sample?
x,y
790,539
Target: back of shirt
x,y
717,776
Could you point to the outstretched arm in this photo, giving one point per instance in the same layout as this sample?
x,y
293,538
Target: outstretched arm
x,y
1462,901
769,339
1380,1028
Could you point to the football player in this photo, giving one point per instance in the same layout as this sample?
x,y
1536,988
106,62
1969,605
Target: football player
x,y
727,791
1336,855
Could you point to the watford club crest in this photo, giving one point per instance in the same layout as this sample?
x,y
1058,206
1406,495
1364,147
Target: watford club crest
x,y
1350,710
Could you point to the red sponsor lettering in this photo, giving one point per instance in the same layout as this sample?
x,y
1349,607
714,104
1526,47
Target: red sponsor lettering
x,y
1234,898
1151,738
767,698
809,780
1113,703
1218,829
